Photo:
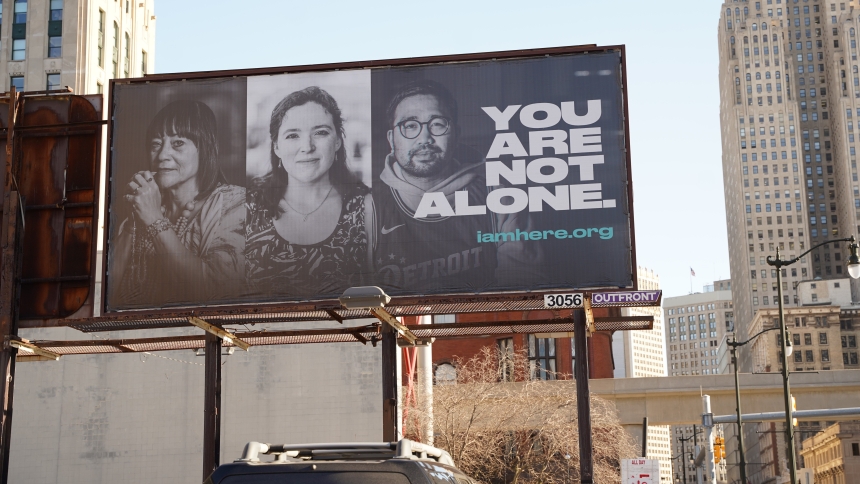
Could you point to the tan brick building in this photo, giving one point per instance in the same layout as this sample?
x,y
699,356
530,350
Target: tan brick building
x,y
834,454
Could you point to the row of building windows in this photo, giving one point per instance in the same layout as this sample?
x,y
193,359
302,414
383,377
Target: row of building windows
x,y
19,29
52,81
692,318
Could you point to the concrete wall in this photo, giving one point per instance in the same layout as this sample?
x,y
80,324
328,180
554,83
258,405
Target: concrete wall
x,y
139,417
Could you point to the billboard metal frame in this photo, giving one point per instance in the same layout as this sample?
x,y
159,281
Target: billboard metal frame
x,y
425,303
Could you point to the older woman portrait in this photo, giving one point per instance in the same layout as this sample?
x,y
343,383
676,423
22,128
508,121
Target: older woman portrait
x,y
305,230
184,241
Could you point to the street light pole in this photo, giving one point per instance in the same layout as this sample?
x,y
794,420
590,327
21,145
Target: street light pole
x,y
854,272
786,389
683,455
743,461
734,344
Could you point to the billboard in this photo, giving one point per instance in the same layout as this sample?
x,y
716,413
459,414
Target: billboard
x,y
441,178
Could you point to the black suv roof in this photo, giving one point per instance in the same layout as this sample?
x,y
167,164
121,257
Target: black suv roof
x,y
403,462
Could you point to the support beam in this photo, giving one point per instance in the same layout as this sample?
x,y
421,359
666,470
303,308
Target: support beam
x,y
212,406
30,349
227,336
389,384
583,396
382,315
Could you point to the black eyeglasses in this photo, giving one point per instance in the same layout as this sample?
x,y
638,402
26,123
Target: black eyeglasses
x,y
410,129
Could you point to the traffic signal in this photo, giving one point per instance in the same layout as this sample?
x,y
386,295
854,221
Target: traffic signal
x,y
719,449
793,409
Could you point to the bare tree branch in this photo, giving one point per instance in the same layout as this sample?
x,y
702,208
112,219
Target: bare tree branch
x,y
519,432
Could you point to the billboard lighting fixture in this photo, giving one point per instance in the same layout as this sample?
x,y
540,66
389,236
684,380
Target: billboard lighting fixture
x,y
374,299
225,336
31,349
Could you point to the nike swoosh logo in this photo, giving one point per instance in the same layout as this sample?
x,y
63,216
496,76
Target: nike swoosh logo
x,y
386,231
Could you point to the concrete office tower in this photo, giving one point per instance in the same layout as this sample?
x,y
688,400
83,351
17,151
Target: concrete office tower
x,y
642,354
790,94
696,324
82,44
767,149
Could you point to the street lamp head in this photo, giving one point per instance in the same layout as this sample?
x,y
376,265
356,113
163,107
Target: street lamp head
x,y
853,261
364,297
788,347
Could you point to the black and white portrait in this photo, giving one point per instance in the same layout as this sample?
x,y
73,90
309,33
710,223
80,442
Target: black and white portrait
x,y
308,173
178,197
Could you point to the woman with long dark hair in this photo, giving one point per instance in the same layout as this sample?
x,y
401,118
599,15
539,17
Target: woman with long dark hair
x,y
306,234
184,242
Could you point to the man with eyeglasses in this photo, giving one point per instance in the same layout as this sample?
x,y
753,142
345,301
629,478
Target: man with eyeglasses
x,y
438,254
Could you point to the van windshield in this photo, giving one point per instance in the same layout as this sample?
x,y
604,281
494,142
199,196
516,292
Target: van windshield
x,y
351,477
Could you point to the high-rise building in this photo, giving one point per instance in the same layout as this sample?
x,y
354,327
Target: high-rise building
x,y
50,44
695,326
766,147
638,354
790,98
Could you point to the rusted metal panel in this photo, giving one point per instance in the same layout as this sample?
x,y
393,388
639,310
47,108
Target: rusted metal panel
x,y
57,146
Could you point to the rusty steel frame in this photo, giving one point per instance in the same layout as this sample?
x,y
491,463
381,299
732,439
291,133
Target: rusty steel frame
x,y
328,311
11,241
347,334
38,167
429,304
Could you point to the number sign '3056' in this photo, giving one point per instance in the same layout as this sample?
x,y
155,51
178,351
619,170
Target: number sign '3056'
x,y
573,300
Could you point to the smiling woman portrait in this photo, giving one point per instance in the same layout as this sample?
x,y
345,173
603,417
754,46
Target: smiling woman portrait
x,y
306,234
184,241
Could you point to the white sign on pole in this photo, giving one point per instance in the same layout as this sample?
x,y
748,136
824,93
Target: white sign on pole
x,y
640,471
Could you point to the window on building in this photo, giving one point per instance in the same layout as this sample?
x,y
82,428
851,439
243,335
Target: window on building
x,y
541,354
142,62
506,359
444,319
17,82
101,44
115,57
822,338
55,29
127,56
56,10
19,49
53,82
825,356
810,356
20,13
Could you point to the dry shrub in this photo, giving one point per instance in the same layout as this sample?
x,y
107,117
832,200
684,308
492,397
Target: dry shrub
x,y
519,432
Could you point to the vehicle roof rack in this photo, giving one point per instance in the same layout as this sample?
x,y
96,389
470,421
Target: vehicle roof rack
x,y
404,449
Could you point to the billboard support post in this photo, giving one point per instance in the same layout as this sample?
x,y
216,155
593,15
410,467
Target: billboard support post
x,y
583,397
389,384
212,405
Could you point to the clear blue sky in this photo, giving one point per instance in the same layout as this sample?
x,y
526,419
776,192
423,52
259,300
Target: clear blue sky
x,y
672,63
